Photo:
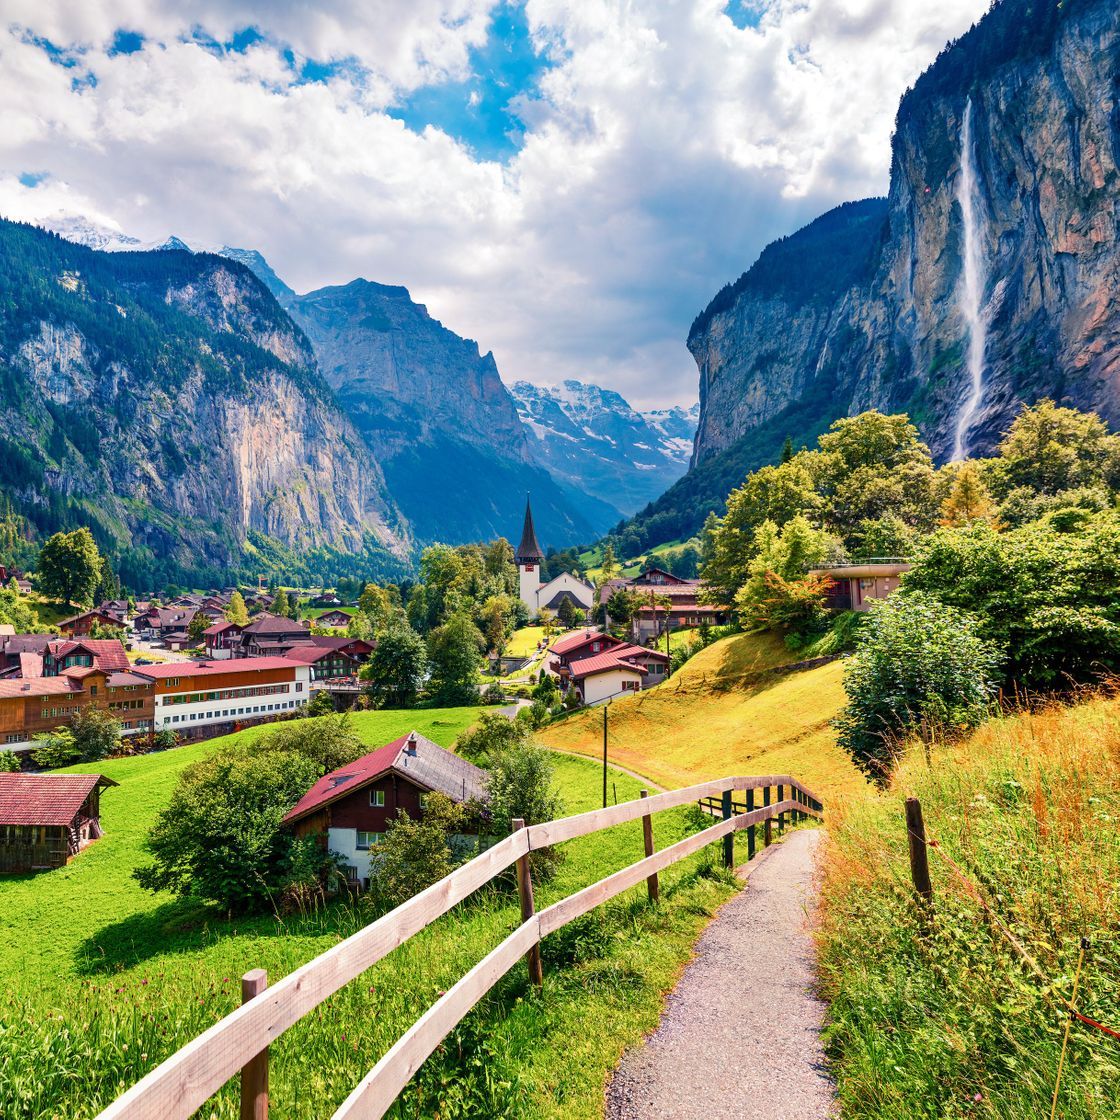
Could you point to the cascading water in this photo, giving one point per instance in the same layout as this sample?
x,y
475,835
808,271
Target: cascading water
x,y
972,287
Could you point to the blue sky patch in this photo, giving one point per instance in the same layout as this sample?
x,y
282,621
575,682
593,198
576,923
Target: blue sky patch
x,y
479,112
126,42
746,13
32,178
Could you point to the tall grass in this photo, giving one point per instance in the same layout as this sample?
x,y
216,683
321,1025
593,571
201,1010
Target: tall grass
x,y
947,1019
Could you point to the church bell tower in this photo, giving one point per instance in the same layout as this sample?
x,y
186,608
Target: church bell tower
x,y
528,558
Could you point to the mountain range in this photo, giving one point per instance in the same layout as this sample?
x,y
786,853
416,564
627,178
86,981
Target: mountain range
x,y
259,428
987,278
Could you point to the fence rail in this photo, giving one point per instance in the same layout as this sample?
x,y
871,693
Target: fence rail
x,y
181,1084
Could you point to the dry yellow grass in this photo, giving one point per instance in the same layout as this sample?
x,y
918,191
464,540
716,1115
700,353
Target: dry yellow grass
x,y
727,712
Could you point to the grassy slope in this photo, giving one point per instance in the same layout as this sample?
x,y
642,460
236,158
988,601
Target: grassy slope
x,y
524,641
949,1022
105,981
44,931
725,713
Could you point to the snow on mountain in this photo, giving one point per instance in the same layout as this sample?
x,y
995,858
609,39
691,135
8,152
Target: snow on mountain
x,y
592,440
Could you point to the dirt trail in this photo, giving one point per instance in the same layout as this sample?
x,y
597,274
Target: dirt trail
x,y
740,1035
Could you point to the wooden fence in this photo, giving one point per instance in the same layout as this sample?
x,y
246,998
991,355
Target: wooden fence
x,y
179,1086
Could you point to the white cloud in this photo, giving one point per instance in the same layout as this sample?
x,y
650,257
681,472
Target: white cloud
x,y
665,148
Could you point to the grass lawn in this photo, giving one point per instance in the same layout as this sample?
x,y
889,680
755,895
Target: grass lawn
x,y
50,612
524,642
105,980
726,713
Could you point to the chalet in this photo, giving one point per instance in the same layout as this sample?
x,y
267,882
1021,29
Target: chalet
x,y
45,819
222,639
336,618
106,654
203,697
856,586
664,601
325,663
268,635
327,599
34,705
168,626
600,666
82,625
350,807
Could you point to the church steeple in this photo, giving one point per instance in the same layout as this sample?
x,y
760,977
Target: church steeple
x,y
529,550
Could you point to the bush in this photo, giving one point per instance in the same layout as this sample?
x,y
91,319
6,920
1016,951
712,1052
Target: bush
x,y
321,704
520,786
493,695
165,739
492,734
329,741
9,762
92,734
220,837
413,854
919,666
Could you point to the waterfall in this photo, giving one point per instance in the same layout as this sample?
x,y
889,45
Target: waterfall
x,y
972,287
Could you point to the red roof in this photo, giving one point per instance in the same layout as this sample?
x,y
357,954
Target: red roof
x,y
601,663
108,653
205,668
50,799
340,782
574,641
219,628
308,655
38,686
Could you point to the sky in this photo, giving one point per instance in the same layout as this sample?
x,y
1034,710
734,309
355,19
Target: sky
x,y
566,181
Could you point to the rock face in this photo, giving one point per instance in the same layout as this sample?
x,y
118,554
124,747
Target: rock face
x,y
865,307
869,312
166,399
590,439
435,413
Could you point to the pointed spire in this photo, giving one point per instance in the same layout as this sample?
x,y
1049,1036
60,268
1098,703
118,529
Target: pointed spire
x,y
529,551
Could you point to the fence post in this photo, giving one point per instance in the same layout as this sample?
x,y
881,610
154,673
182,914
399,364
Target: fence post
x,y
254,1073
767,827
729,839
750,828
781,816
647,836
525,894
919,856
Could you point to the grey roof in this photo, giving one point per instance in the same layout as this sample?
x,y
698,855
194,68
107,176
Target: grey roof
x,y
441,770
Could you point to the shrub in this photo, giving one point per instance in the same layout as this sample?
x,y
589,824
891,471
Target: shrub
x,y
321,704
493,733
165,739
329,741
9,762
520,786
413,854
919,666
493,695
92,734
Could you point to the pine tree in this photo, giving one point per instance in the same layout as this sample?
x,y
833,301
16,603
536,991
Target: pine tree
x,y
787,450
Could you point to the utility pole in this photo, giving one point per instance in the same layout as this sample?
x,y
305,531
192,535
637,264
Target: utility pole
x,y
605,706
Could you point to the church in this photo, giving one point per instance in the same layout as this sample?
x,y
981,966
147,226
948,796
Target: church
x,y
536,597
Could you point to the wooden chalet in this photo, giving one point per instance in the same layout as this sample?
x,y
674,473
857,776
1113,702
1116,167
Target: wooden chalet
x,y
351,807
652,617
45,819
81,625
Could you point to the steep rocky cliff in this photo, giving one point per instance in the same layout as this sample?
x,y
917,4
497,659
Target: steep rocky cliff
x,y
435,413
166,399
592,440
868,307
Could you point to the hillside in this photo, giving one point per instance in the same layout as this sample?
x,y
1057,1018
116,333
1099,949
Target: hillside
x,y
166,399
948,1012
863,308
726,711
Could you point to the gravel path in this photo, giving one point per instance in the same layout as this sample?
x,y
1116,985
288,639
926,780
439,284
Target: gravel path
x,y
740,1035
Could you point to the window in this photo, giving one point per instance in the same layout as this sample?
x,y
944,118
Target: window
x,y
93,690
299,686
14,738
377,798
367,839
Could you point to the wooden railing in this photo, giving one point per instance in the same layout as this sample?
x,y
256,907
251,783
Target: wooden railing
x,y
238,1043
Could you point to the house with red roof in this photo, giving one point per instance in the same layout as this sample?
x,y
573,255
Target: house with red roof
x,y
81,625
45,819
221,639
351,807
601,666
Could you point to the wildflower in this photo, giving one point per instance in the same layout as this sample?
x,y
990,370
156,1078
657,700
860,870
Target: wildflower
x,y
143,1057
978,1097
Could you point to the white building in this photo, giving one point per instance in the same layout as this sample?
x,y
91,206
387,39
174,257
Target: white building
x,y
537,596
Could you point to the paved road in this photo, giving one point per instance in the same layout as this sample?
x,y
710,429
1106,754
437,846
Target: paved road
x,y
740,1033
